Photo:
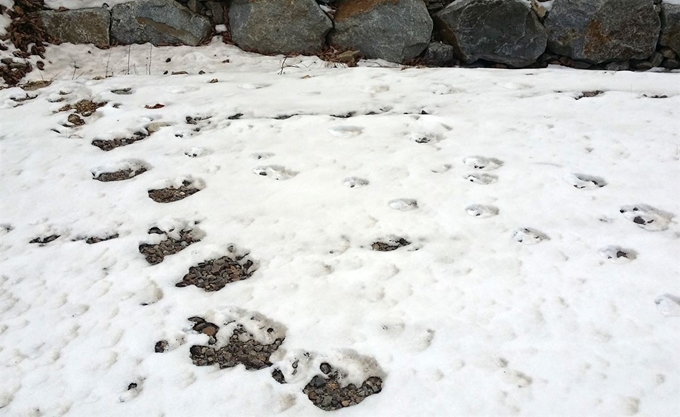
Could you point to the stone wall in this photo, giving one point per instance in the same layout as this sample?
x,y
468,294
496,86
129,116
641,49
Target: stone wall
x,y
598,34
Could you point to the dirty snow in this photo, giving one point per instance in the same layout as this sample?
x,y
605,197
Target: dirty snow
x,y
525,290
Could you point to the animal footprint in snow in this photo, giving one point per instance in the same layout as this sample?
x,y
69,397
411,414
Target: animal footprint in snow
x,y
197,151
424,137
353,182
483,179
647,217
276,172
133,390
403,204
668,305
528,236
617,254
345,131
5,228
482,163
585,182
478,210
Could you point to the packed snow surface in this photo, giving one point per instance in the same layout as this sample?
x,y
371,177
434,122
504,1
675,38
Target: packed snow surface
x,y
538,272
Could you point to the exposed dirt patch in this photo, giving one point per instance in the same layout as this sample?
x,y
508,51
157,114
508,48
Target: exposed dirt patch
x,y
390,244
96,239
326,392
335,55
84,107
156,253
241,349
122,91
35,85
42,241
589,94
215,274
120,175
108,145
75,120
170,194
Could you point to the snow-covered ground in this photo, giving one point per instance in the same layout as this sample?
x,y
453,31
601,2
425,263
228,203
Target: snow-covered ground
x,y
524,290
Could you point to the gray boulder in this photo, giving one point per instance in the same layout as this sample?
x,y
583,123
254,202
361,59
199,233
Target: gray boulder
x,y
504,31
393,30
279,27
670,26
78,26
438,54
600,31
160,22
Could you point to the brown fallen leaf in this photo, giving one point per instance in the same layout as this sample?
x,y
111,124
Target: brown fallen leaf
x,y
155,106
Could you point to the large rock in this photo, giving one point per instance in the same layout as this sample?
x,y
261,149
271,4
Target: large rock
x,y
599,31
78,26
393,30
670,26
279,27
504,31
160,22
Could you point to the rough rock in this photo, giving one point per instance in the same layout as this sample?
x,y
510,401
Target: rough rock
x,y
438,54
78,26
504,31
160,22
216,11
279,27
670,26
600,31
393,30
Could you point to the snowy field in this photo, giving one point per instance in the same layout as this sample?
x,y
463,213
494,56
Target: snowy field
x,y
537,272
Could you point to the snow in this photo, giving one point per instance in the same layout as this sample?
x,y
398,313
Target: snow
x,y
512,297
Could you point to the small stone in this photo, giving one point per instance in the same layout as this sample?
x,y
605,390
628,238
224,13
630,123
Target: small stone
x,y
317,382
161,346
326,368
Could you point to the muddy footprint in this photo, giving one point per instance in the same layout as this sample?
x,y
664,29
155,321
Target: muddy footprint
x,y
172,241
124,170
175,193
215,274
